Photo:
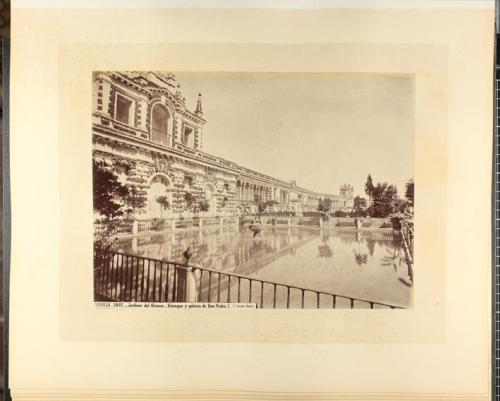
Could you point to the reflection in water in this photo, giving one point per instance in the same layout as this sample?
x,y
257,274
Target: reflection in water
x,y
324,250
368,264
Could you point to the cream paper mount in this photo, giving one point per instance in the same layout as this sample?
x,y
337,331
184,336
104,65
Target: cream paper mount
x,y
424,322
439,349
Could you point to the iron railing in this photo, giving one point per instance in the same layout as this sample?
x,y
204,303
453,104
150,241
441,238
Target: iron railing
x,y
407,234
131,278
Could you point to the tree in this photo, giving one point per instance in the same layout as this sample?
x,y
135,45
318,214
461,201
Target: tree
x,y
189,199
327,205
369,185
384,200
109,193
360,205
164,204
320,205
410,192
203,205
196,203
263,205
324,205
135,199
244,208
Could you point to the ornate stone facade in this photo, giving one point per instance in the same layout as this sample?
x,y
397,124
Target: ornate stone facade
x,y
142,127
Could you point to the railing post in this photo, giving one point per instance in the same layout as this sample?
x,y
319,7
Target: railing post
x,y
186,285
186,281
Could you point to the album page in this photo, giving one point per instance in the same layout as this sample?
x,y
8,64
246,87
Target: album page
x,y
251,202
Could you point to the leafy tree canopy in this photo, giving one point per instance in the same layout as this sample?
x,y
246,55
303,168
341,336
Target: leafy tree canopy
x,y
203,205
163,201
410,192
384,198
109,193
324,205
369,187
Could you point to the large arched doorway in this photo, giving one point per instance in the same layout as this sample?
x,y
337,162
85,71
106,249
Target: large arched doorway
x,y
159,187
160,121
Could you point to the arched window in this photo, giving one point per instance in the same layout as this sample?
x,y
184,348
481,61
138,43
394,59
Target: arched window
x,y
160,118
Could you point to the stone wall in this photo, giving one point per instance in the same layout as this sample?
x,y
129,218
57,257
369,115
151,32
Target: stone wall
x,y
139,170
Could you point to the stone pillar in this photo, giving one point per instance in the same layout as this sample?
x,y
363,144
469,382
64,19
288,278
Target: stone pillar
x,y
321,222
135,227
186,285
177,134
142,104
106,95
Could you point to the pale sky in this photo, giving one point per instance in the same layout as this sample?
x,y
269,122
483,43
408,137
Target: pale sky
x,y
321,130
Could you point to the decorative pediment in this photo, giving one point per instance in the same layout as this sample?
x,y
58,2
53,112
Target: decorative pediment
x,y
211,178
162,165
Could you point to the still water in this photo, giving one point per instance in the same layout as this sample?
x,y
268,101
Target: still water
x,y
368,264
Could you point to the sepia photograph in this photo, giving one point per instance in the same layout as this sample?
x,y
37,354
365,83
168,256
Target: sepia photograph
x,y
270,190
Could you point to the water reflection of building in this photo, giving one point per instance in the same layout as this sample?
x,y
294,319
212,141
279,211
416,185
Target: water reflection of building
x,y
390,241
145,131
372,236
220,248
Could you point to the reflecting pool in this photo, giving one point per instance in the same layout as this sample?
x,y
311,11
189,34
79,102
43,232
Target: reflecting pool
x,y
367,264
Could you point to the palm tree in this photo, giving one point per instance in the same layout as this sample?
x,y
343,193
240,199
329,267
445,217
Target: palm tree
x,y
164,204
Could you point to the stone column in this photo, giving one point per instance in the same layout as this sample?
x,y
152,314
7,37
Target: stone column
x,y
186,285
